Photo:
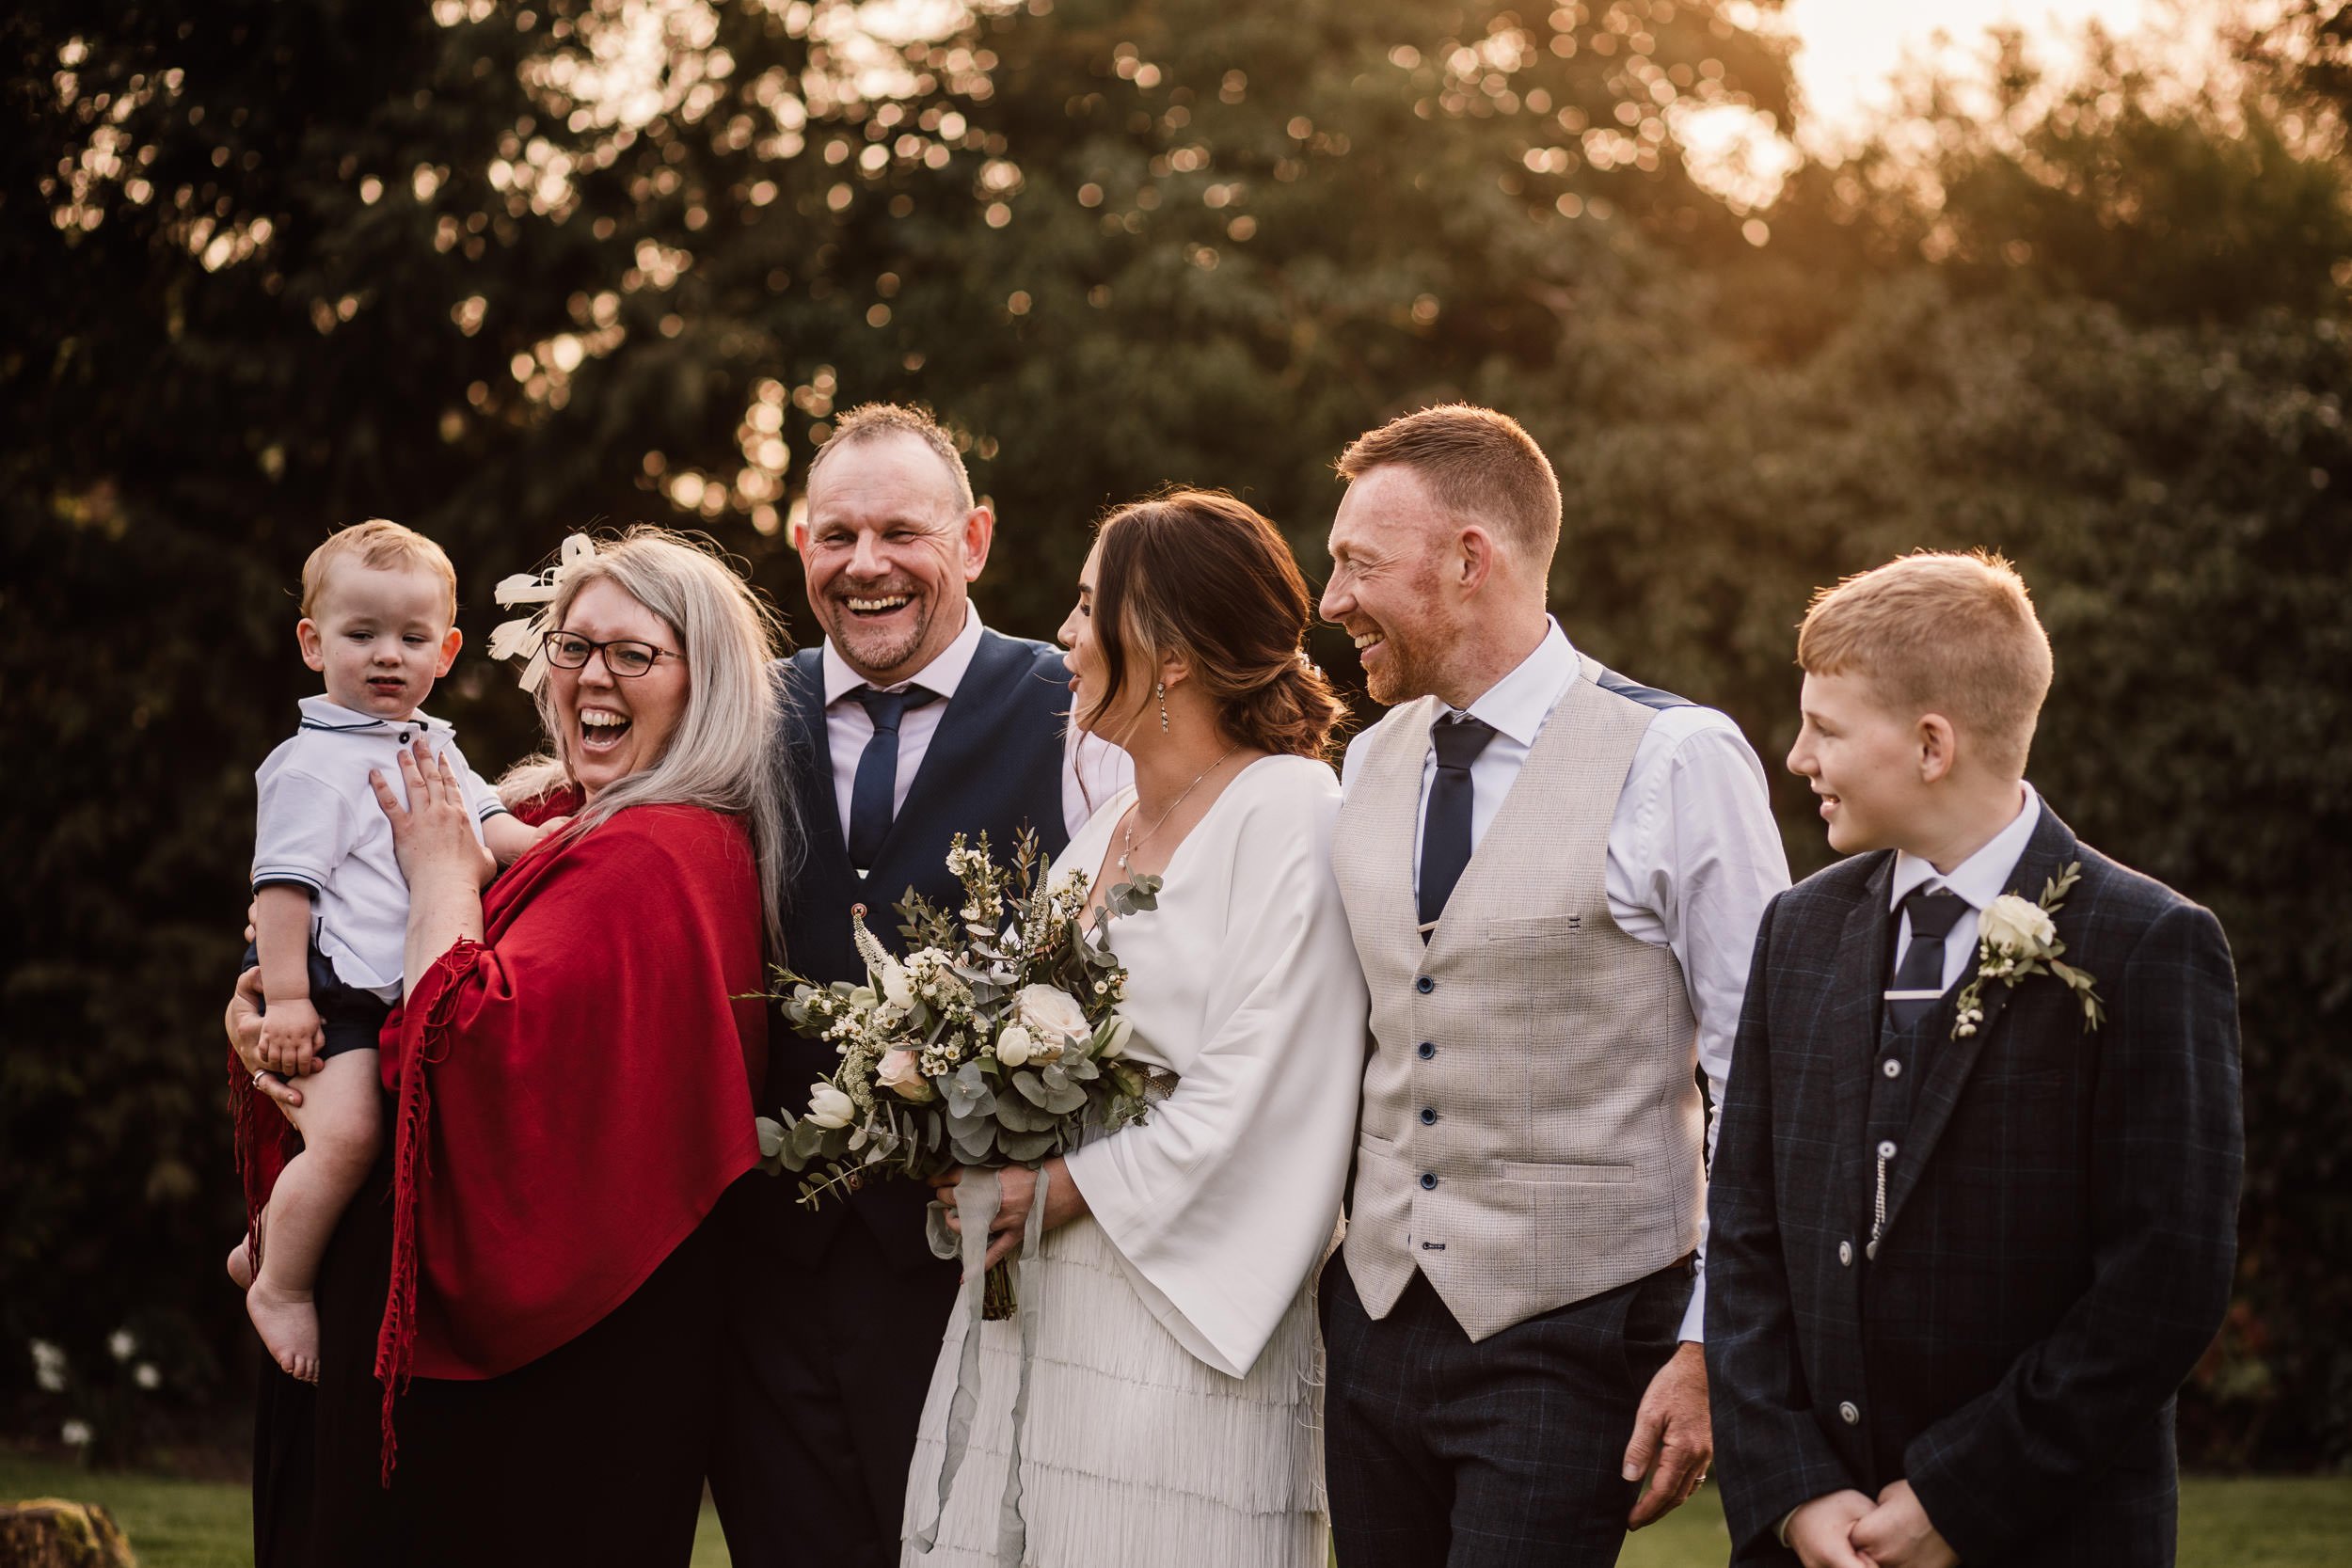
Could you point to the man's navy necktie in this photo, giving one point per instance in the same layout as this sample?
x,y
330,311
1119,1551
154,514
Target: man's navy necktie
x,y
1918,984
874,795
1445,832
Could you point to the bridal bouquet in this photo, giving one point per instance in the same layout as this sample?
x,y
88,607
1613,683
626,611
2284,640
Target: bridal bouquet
x,y
995,1041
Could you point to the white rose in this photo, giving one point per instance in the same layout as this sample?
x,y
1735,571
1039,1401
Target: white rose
x,y
1051,1012
902,1074
2012,924
1014,1045
146,1376
896,986
828,1107
76,1434
121,1345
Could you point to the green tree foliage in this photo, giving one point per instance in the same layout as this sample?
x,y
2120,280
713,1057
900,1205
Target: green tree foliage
x,y
491,271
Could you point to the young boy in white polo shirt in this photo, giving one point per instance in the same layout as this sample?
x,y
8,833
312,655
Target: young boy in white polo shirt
x,y
330,905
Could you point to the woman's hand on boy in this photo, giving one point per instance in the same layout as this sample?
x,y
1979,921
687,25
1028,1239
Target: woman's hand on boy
x,y
433,835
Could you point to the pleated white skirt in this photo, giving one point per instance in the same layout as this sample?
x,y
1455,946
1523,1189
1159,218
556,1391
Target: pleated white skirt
x,y
1133,1451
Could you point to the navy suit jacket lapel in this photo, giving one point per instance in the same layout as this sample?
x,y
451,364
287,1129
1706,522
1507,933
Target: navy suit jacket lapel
x,y
804,691
1853,1023
1948,1059
995,660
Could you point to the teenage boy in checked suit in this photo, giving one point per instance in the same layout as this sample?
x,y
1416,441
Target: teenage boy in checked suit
x,y
1970,1224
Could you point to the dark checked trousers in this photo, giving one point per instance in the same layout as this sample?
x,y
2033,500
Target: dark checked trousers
x,y
1506,1453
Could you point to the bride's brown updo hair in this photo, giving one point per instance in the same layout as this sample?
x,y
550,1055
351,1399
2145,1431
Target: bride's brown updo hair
x,y
1200,572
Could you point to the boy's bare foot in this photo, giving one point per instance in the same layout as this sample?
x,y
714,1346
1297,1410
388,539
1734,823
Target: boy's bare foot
x,y
240,1267
290,1328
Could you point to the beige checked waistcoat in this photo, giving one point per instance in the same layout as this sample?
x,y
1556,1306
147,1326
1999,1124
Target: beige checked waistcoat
x,y
1532,1132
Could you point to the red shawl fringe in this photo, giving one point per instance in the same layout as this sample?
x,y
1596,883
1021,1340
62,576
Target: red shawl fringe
x,y
396,1341
263,1142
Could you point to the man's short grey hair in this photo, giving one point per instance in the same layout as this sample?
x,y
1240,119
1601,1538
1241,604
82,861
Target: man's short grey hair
x,y
872,420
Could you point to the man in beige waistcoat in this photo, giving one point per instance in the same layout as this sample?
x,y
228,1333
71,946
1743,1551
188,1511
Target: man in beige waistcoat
x,y
1553,877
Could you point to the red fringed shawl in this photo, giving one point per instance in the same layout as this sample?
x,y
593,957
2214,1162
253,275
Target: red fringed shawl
x,y
574,1092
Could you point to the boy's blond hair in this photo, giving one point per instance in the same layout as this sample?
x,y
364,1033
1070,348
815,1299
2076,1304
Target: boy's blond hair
x,y
381,545
1939,632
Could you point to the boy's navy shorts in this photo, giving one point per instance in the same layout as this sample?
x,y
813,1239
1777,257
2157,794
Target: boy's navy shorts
x,y
351,1019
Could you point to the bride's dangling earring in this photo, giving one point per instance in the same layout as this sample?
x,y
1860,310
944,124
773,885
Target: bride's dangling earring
x,y
1163,707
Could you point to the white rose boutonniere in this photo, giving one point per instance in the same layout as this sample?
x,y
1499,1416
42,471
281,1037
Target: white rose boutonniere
x,y
2016,938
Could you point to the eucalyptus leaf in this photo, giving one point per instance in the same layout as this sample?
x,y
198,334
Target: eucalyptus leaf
x,y
1027,1146
1019,1114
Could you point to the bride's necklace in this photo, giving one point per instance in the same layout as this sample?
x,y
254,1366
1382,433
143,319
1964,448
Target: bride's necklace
x,y
1127,834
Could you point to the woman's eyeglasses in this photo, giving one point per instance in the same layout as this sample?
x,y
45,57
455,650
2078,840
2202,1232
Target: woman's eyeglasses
x,y
625,657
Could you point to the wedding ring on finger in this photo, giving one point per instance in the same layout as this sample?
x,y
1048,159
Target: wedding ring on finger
x,y
259,1074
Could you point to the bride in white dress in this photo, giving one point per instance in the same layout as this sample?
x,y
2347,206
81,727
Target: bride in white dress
x,y
1170,1403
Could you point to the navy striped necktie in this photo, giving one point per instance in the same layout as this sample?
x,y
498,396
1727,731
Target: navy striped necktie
x,y
1918,984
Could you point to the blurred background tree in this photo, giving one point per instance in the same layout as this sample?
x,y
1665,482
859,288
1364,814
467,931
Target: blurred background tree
x,y
503,272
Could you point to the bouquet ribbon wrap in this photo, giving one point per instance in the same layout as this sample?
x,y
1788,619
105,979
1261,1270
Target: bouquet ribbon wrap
x,y
978,1196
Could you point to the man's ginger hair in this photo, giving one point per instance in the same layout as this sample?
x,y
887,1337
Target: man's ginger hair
x,y
1479,464
381,545
1939,632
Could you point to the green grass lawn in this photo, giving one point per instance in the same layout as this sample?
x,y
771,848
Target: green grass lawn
x,y
2261,1523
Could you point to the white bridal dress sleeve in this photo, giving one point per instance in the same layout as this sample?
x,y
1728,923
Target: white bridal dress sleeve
x,y
1244,982
1157,1400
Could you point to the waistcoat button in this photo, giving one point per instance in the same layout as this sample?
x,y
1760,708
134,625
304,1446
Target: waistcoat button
x,y
1886,1148
1893,1068
1848,1414
1424,985
1428,1179
1428,1049
1845,1254
1428,1115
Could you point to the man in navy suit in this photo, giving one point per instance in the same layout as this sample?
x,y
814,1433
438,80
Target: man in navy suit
x,y
911,724
1973,1213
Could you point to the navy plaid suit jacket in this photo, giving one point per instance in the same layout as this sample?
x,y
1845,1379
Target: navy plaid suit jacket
x,y
2059,1238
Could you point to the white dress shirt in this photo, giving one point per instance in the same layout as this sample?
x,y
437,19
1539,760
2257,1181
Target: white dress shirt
x,y
1093,770
1978,879
1694,854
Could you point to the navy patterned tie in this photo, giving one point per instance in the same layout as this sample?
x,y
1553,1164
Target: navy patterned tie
x,y
1919,978
1445,832
874,795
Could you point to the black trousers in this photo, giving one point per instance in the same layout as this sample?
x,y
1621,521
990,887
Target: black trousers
x,y
824,1366
594,1454
1506,1453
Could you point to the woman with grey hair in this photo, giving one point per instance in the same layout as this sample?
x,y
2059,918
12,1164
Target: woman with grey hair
x,y
573,1077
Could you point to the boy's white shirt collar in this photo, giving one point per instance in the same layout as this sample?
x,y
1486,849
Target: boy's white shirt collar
x,y
334,716
1518,703
1984,876
942,675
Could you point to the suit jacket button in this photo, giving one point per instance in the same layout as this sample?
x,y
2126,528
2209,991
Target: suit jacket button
x,y
1845,1254
1428,1049
1848,1414
1424,985
1428,1179
1428,1115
